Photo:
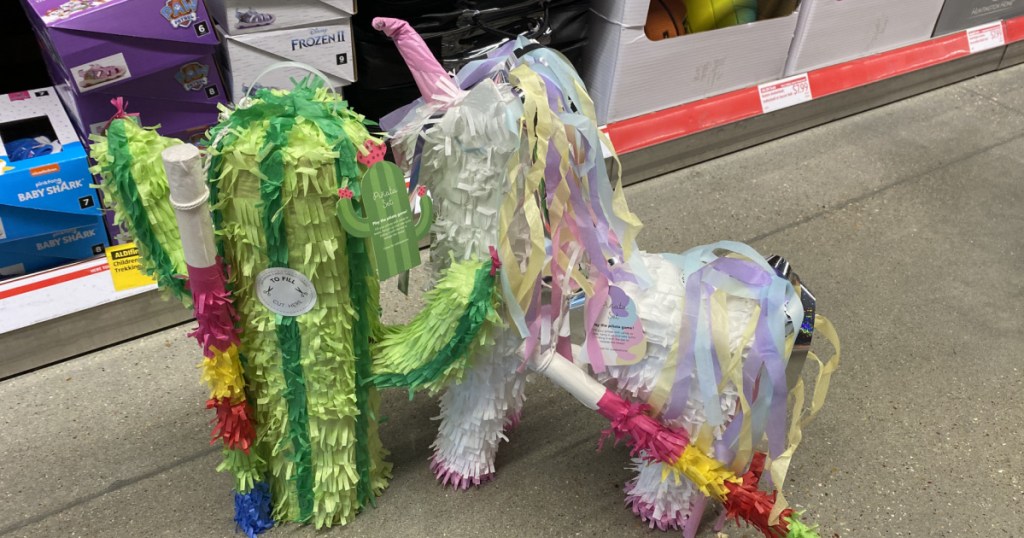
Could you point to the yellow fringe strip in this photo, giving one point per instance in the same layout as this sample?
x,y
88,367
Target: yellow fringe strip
x,y
223,373
707,473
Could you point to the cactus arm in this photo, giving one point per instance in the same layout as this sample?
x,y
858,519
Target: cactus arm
x,y
422,227
350,220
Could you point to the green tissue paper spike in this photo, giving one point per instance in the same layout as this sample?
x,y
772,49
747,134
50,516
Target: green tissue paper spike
x,y
360,274
135,185
365,325
289,337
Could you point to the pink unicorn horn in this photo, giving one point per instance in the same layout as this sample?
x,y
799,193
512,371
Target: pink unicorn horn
x,y
433,81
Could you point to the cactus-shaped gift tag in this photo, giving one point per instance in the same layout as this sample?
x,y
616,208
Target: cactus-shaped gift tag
x,y
386,219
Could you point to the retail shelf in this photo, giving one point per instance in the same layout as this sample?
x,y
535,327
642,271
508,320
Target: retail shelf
x,y
54,315
73,310
670,139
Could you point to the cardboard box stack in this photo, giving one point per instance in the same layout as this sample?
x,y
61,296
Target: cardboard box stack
x,y
832,32
159,55
260,33
963,14
49,213
629,73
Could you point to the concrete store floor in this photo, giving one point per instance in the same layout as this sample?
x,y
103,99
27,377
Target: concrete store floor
x,y
908,222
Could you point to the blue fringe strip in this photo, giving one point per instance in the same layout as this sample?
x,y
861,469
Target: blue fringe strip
x,y
252,510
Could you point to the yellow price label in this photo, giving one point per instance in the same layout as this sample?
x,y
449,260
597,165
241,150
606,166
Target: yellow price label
x,y
125,267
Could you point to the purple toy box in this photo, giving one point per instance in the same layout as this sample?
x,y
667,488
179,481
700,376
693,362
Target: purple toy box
x,y
181,100
156,54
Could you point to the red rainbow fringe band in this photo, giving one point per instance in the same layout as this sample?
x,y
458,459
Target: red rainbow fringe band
x,y
233,424
739,494
745,502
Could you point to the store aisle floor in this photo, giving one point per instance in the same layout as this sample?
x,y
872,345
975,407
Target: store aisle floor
x,y
907,222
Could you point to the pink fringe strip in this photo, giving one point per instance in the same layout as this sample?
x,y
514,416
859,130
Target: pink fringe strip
x,y
646,437
213,309
513,420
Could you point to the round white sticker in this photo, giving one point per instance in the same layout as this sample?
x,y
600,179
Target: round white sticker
x,y
285,291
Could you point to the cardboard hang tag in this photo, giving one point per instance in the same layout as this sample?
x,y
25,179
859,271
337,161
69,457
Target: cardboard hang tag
x,y
387,219
619,331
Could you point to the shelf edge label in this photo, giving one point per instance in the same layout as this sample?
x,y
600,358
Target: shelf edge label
x,y
985,37
784,93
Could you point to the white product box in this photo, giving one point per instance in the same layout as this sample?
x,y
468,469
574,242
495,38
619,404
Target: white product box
x,y
963,14
628,75
239,17
835,31
326,47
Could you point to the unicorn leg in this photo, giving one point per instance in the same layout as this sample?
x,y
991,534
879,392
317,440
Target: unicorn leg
x,y
517,395
696,514
475,413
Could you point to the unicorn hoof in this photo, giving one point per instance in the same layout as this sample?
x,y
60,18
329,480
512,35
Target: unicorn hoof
x,y
648,514
449,477
662,514
513,420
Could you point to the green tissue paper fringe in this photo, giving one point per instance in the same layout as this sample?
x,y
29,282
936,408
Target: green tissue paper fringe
x,y
316,246
363,286
360,273
797,529
289,338
216,167
135,184
244,466
448,331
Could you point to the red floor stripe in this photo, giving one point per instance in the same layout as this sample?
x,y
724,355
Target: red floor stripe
x,y
676,122
849,75
1013,30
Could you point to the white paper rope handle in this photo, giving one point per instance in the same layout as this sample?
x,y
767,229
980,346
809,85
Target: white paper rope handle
x,y
281,65
183,165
